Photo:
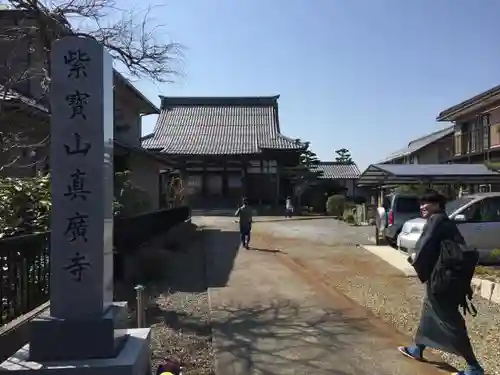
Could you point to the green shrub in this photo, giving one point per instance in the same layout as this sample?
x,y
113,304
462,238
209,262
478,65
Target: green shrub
x,y
335,205
495,255
129,199
25,203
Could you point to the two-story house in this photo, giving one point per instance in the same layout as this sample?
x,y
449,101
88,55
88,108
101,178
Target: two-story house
x,y
476,135
25,117
434,148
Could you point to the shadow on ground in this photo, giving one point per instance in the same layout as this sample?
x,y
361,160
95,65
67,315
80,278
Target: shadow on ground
x,y
275,215
207,263
177,320
280,217
277,337
186,271
222,213
264,250
221,248
285,335
272,339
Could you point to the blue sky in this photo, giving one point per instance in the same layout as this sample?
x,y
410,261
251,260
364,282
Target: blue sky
x,y
368,75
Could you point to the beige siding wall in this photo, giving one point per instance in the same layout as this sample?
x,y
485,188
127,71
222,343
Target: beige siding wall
x,y
22,55
14,56
29,134
428,155
19,55
127,121
495,116
145,174
495,128
435,153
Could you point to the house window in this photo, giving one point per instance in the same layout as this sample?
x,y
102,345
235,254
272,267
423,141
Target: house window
x,y
466,135
476,135
486,131
495,135
458,143
473,137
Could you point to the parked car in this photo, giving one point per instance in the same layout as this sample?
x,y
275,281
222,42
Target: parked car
x,y
478,219
395,211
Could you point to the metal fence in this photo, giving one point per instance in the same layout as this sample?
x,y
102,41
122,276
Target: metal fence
x,y
24,260
24,274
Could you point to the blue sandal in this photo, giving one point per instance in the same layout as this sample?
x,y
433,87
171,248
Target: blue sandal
x,y
414,353
471,370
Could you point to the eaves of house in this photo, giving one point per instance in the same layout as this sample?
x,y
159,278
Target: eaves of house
x,y
476,103
146,106
418,144
12,96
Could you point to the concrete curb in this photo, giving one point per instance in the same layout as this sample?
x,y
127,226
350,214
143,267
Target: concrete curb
x,y
484,288
393,257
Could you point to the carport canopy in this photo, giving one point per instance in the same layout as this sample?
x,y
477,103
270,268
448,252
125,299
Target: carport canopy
x,y
439,174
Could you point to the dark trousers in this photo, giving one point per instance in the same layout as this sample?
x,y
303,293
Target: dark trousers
x,y
289,212
442,327
245,231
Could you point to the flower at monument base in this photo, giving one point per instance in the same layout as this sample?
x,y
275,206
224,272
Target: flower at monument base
x,y
169,367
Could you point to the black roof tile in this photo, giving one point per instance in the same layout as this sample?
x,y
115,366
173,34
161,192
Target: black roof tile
x,y
334,171
218,126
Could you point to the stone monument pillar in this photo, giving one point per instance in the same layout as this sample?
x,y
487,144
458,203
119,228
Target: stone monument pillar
x,y
79,335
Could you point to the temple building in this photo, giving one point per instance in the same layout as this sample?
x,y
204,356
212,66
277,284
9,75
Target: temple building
x,y
225,148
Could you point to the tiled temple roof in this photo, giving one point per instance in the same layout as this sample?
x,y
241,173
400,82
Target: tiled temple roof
x,y
218,126
334,171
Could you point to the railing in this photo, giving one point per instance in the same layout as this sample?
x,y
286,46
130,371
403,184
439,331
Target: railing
x,y
24,274
131,232
478,141
24,260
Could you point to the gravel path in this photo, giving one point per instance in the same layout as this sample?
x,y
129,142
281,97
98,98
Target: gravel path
x,y
179,313
397,300
180,325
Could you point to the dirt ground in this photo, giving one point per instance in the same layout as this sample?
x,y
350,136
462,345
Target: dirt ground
x,y
279,307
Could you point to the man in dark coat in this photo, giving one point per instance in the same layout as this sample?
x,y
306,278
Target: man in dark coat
x,y
245,215
442,326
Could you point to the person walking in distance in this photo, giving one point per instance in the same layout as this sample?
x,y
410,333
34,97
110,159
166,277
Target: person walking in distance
x,y
288,207
446,267
245,215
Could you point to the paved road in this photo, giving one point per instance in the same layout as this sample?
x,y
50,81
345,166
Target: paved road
x,y
325,230
272,314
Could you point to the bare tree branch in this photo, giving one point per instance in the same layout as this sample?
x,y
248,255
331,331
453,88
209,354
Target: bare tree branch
x,y
131,37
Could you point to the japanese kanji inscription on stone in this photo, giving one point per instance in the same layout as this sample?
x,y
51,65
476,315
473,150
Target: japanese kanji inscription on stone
x,y
82,178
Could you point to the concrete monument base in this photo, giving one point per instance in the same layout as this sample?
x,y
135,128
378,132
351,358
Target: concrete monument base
x,y
53,339
133,359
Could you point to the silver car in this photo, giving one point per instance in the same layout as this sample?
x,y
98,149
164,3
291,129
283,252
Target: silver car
x,y
478,219
396,209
